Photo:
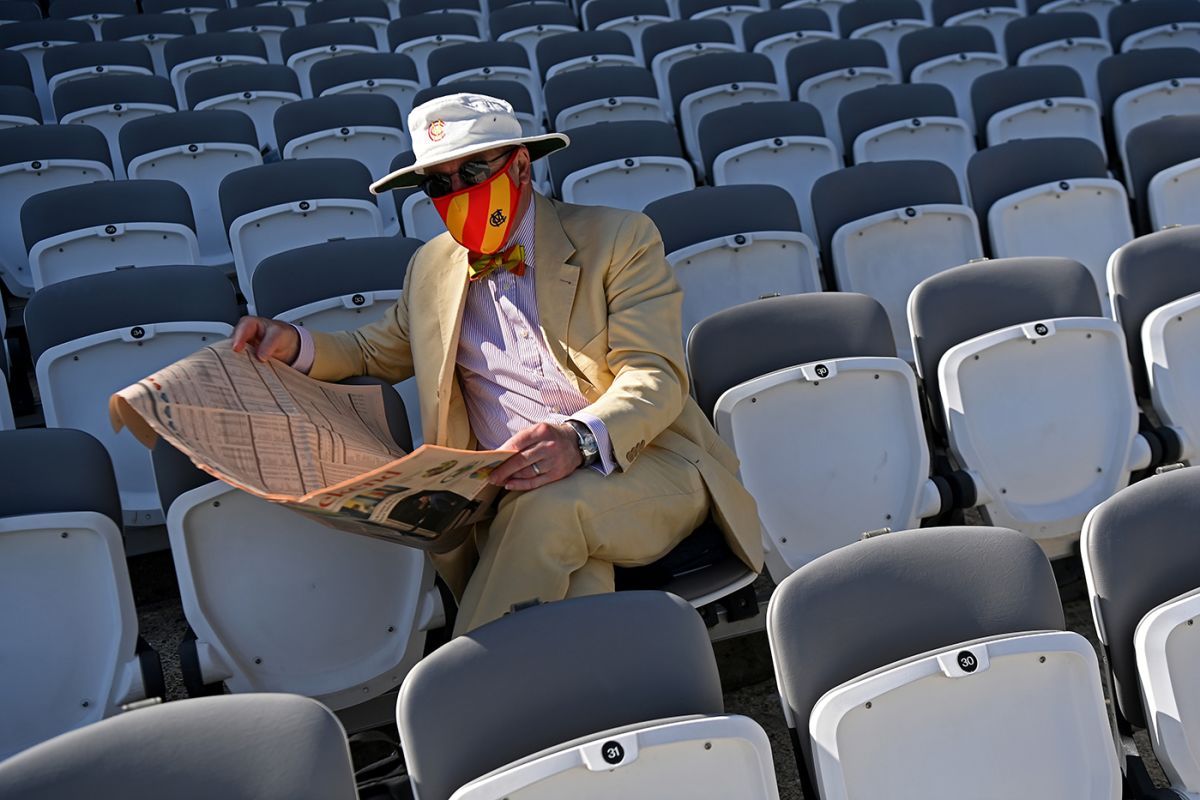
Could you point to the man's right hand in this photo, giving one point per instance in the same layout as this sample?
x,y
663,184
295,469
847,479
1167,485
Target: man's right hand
x,y
267,338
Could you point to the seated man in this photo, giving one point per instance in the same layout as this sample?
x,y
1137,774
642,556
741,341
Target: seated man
x,y
553,330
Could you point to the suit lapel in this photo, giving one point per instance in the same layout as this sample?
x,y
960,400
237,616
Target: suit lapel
x,y
556,278
451,300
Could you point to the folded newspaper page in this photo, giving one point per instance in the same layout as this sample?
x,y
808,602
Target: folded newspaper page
x,y
319,448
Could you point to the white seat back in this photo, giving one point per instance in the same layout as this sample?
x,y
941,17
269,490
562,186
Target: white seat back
x,y
419,49
694,106
662,63
827,90
994,18
110,119
957,72
1170,337
402,92
830,8
776,48
732,15
258,105
301,63
632,27
610,109
1175,34
945,139
1083,54
420,218
1097,9
1174,196
888,34
1071,117
107,247
523,75
629,183
528,37
180,72
1151,102
83,73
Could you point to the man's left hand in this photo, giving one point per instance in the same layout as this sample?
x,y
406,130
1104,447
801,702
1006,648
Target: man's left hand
x,y
554,449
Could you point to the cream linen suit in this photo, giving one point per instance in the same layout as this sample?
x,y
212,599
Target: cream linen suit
x,y
609,307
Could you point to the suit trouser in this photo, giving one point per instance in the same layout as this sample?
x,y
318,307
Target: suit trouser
x,y
562,539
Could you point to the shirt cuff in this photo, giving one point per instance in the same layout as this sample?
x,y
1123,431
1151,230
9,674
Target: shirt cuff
x,y
308,351
608,459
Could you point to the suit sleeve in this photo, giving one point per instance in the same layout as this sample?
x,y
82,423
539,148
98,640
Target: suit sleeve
x,y
645,342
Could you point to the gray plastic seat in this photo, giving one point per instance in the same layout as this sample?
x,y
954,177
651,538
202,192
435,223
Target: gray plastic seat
x,y
883,21
151,30
512,92
1069,38
268,22
91,10
371,12
773,33
264,746
419,35
1158,23
256,90
33,38
190,55
822,73
666,43
14,70
302,47
410,8
1153,147
392,75
195,10
487,61
575,99
93,59
630,17
528,24
731,12
418,217
953,57
584,49
984,13
1031,102
18,106
19,11
108,102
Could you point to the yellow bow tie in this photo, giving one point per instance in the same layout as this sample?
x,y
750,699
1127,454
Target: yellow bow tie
x,y
480,265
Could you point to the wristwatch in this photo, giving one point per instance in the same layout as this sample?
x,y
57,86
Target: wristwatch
x,y
587,443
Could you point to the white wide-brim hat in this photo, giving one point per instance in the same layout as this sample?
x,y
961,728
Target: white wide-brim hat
x,y
457,125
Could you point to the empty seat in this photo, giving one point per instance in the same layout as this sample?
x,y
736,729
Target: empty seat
x,y
612,94
195,10
668,43
829,8
1157,23
882,21
35,160
418,217
471,8
14,70
195,149
108,102
296,7
566,52
93,12
732,12
621,164
392,75
152,31
931,637
276,207
19,11
886,227
732,244
630,17
774,33
91,59
486,61
527,24
267,22
823,73
1035,103
1096,9
18,106
1051,197
994,16
1164,170
420,35
1061,435
265,747
72,655
33,38
256,90
373,13
304,46
1068,39
191,54
952,57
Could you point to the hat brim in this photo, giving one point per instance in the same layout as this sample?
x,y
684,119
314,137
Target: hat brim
x,y
410,176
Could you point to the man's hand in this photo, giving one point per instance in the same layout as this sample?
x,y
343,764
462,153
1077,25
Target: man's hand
x,y
268,338
554,449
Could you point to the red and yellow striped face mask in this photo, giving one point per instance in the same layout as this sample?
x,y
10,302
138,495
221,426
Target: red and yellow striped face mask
x,y
480,217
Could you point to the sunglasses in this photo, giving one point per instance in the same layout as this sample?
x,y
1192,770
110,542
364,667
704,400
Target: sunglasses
x,y
471,173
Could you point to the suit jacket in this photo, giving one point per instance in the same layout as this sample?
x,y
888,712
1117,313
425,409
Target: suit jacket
x,y
610,310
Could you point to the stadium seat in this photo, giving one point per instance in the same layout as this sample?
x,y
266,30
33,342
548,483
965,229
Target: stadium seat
x,y
1143,577
528,24
991,14
93,336
882,21
567,52
621,164
195,10
293,203
630,17
195,149
926,641
189,55
389,74
420,35
952,57
1157,23
1164,171
35,160
152,31
829,8
108,102
471,8
781,143
732,244
33,38
260,747
612,94
885,227
93,59
14,69
732,12
93,12
1155,284
774,33
18,107
823,73
69,637
1096,9
1051,197
373,13
1065,38
267,22
19,11
639,735
819,369
304,46
1061,435
256,90
487,61
714,81
296,7
668,43
1035,103
418,218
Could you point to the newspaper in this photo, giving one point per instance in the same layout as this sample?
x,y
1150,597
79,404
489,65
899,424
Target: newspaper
x,y
319,448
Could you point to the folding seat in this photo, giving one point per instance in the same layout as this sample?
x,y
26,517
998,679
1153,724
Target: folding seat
x,y
256,90
527,24
733,13
487,61
657,731
152,31
952,57
1096,9
621,164
568,52
35,160
1033,390
304,46
391,75
205,51
714,81
14,70
266,747
293,203
1143,576
885,227
822,73
927,641
1068,39
733,244
775,33
1155,286
33,38
471,8
373,13
1164,170
19,11
667,43
1157,23
267,22
829,8
491,6
1051,197
882,21
295,7
994,16
195,149
95,227
366,128
611,94
418,36
195,10
418,218
1035,103
93,12
93,59
70,643
18,107
1144,85
108,102
630,17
